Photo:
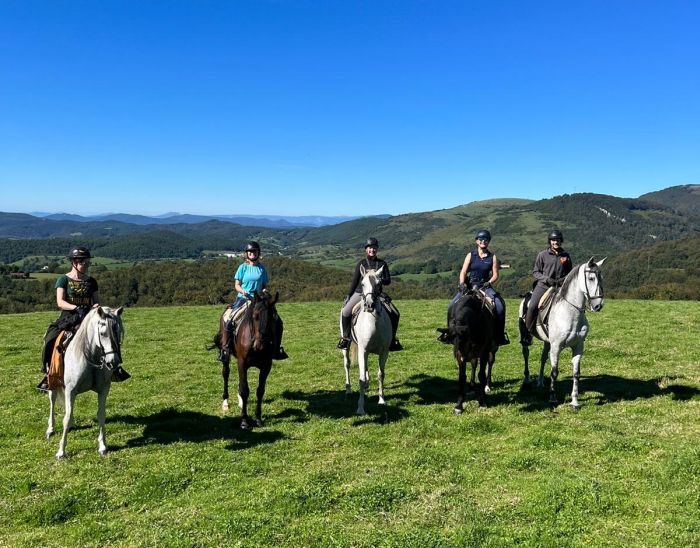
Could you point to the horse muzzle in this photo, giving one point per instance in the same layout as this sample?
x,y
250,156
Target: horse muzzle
x,y
597,306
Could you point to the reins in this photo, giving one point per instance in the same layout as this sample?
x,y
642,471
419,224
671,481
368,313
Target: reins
x,y
587,293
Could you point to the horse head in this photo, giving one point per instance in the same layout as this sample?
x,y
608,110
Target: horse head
x,y
263,309
371,282
109,333
593,283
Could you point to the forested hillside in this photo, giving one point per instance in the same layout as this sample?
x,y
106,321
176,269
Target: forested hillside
x,y
204,282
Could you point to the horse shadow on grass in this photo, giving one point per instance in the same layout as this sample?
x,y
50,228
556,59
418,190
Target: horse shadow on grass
x,y
606,389
335,404
171,426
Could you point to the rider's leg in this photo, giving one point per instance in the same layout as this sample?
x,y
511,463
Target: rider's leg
x,y
346,320
533,307
279,354
394,316
500,325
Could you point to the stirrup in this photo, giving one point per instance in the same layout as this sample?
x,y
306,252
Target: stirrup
x,y
504,340
444,338
343,344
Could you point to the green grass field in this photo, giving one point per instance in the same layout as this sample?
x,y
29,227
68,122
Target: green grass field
x,y
624,470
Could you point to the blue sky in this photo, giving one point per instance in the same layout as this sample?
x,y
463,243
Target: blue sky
x,y
332,108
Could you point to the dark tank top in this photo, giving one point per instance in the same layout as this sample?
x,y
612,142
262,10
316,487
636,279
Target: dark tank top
x,y
480,269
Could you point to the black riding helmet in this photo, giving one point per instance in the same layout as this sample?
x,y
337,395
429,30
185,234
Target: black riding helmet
x,y
79,252
556,235
253,246
371,242
483,235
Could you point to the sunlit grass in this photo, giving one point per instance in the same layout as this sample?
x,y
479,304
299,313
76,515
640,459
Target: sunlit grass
x,y
624,470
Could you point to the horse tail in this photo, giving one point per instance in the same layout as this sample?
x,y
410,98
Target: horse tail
x,y
215,343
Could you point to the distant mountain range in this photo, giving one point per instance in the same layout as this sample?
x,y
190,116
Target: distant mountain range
x,y
268,221
417,245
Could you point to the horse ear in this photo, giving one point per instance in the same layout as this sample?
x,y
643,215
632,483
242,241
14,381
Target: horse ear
x,y
273,300
100,312
120,310
600,263
378,273
363,271
591,262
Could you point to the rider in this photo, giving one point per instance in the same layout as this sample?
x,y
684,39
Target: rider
x,y
251,277
76,294
371,262
481,268
551,267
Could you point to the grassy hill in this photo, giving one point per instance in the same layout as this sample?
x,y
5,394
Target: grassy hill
x,y
684,198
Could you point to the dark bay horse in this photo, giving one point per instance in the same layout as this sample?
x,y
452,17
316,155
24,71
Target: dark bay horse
x,y
253,346
471,329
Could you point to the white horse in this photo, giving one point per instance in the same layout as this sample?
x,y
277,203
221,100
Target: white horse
x,y
371,334
567,326
88,363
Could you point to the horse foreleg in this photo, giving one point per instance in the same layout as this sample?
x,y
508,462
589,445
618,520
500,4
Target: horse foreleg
x,y
380,377
52,410
68,399
554,359
543,361
364,380
472,382
461,384
489,367
260,394
243,394
481,394
577,352
346,366
101,419
225,372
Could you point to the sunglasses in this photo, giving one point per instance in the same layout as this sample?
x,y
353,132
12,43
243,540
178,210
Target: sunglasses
x,y
82,261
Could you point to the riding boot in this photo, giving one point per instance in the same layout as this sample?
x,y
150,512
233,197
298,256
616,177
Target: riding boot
x,y
224,335
119,374
395,345
501,335
444,338
344,341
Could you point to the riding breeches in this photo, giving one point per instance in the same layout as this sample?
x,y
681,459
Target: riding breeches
x,y
533,306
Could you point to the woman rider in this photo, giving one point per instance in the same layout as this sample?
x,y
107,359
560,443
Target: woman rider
x,y
76,294
370,262
251,277
481,268
551,267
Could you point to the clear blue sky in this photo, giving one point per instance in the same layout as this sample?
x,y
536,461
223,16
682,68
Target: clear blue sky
x,y
331,108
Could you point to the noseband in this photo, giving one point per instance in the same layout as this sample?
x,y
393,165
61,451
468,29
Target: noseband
x,y
116,344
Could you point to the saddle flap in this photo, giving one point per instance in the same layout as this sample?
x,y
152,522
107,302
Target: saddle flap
x,y
546,299
56,367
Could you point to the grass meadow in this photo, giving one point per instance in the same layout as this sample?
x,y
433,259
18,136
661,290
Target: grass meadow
x,y
624,470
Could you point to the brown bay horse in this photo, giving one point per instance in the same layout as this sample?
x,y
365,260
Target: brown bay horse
x,y
254,345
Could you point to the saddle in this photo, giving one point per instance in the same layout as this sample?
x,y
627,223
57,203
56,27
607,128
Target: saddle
x,y
544,306
386,302
232,317
486,301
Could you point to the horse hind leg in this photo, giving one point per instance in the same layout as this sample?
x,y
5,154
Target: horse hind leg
x,y
225,372
52,410
489,368
243,394
346,366
546,350
260,394
364,381
461,386
481,394
554,359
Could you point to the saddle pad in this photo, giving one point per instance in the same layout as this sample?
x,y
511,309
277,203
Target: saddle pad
x,y
56,366
488,301
546,299
232,316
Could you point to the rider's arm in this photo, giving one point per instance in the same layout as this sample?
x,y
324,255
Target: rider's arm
x,y
355,280
95,299
61,301
386,276
239,288
537,271
465,269
494,271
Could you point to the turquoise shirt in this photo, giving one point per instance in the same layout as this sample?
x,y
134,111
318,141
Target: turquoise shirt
x,y
252,277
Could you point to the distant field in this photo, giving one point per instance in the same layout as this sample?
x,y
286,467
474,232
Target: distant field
x,y
623,471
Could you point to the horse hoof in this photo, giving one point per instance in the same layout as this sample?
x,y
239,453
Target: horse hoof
x,y
259,422
382,401
60,456
48,434
575,407
458,410
487,389
245,426
103,453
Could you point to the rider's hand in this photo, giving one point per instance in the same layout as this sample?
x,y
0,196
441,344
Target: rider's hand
x,y
463,288
485,285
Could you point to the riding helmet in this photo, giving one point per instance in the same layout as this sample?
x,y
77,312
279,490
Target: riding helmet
x,y
556,235
483,235
79,252
253,246
371,242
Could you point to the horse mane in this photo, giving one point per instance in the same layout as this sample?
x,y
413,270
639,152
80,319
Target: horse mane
x,y
80,336
570,277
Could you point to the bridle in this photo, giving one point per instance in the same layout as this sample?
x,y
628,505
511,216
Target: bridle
x,y
588,297
114,325
369,298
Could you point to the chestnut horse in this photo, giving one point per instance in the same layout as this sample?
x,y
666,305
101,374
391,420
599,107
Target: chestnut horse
x,y
253,346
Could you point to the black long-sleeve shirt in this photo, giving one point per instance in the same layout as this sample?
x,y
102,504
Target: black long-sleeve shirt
x,y
375,264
